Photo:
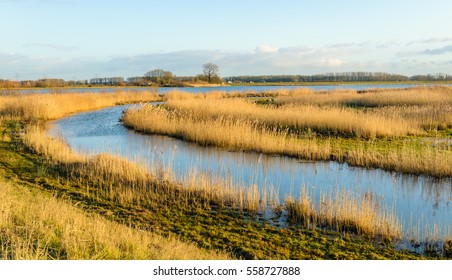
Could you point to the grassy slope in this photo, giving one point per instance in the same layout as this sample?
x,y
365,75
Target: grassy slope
x,y
211,228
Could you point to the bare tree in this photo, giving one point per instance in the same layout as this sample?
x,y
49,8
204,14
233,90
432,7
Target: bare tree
x,y
154,74
210,70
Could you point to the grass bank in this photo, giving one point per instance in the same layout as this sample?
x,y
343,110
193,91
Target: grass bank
x,y
35,225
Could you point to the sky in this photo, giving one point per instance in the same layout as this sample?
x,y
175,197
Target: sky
x,y
81,39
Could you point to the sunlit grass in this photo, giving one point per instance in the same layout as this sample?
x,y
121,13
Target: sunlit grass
x,y
215,126
37,226
429,108
32,107
333,121
340,208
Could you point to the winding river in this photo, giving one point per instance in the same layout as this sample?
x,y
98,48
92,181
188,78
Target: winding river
x,y
418,201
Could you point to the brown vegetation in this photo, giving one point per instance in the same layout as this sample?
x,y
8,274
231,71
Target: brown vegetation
x,y
313,126
31,107
38,226
343,209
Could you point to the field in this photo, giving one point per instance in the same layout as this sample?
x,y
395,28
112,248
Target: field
x,y
393,130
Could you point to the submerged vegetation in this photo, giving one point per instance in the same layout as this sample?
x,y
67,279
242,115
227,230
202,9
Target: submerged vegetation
x,y
148,205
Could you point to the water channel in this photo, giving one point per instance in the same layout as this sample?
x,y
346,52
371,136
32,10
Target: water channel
x,y
418,201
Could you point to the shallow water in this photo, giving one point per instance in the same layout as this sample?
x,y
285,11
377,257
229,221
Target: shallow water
x,y
418,201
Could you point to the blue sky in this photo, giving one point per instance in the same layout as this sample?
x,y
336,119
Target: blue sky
x,y
80,39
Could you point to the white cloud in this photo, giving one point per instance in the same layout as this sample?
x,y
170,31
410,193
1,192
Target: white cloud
x,y
266,49
332,62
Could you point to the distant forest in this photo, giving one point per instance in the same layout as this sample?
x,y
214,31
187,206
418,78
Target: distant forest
x,y
339,77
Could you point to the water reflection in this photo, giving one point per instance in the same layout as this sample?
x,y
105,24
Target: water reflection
x,y
417,200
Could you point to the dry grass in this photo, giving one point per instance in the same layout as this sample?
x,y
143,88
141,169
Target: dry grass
x,y
299,118
182,95
224,132
422,107
37,226
416,96
52,106
211,128
342,209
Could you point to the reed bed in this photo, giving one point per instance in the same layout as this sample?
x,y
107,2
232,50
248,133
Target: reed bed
x,y
37,226
217,94
224,132
247,135
416,96
429,108
334,121
182,95
31,107
340,208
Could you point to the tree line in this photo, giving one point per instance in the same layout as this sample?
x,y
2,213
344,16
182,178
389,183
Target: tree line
x,y
155,77
41,83
339,77
160,77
